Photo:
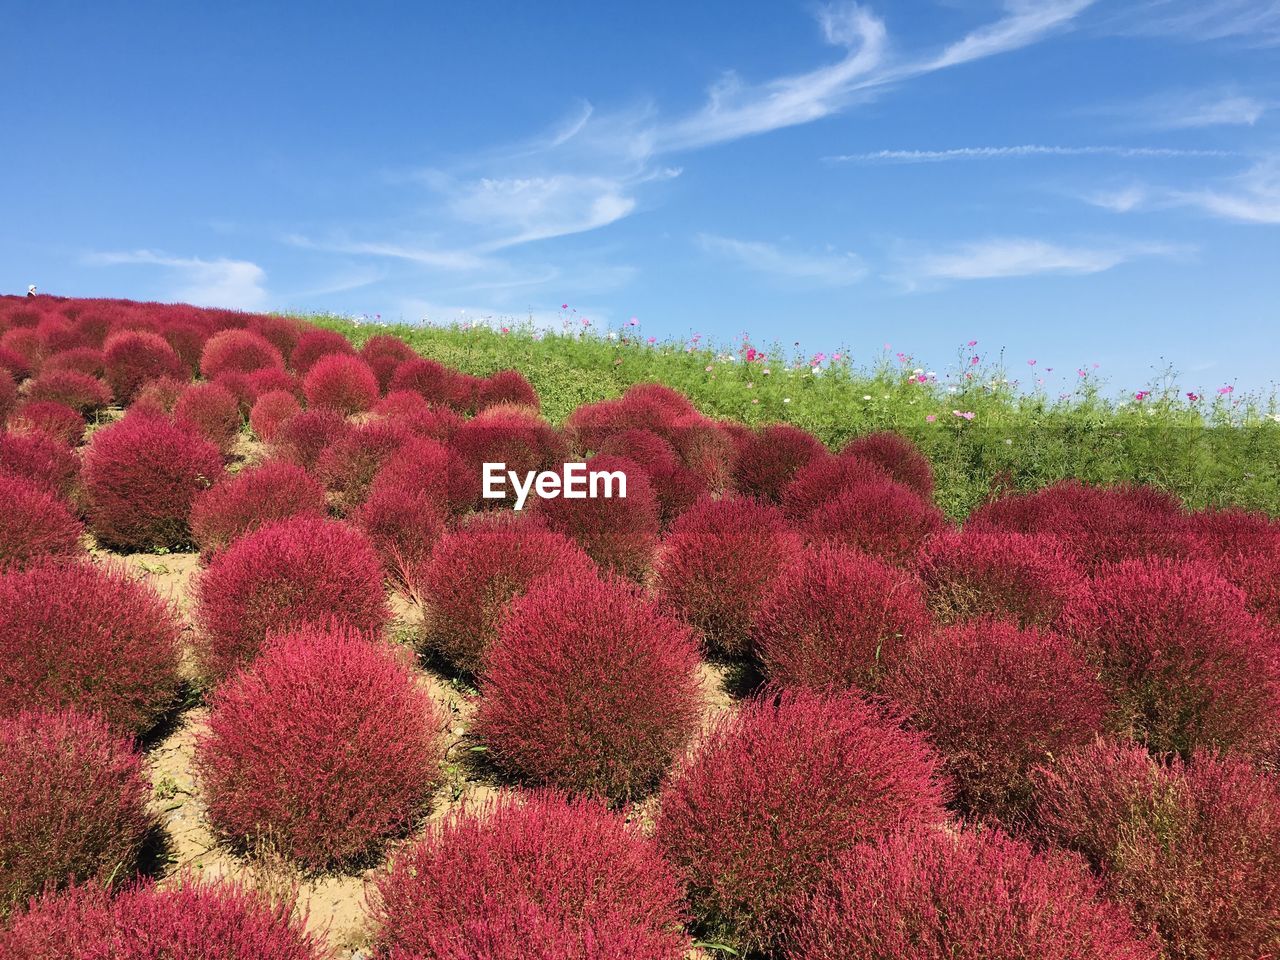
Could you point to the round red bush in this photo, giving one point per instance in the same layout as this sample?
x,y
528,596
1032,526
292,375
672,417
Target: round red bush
x,y
768,460
210,411
355,748
141,476
776,794
34,524
675,485
269,411
716,566
302,438
8,393
298,571
704,447
133,357
348,465
432,380
252,498
36,456
836,617
314,344
283,332
196,920
506,387
618,533
271,378
187,340
546,877
79,391
883,519
932,895
158,396
972,574
1187,665
73,803
86,360
237,351
56,419
384,353
423,418
898,456
824,478
511,435
996,700
345,383
84,635
474,574
1246,545
25,343
1192,849
589,688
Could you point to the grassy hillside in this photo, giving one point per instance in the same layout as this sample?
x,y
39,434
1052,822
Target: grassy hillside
x,y
977,427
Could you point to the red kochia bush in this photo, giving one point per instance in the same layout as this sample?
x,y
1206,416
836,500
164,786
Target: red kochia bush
x,y
302,438
898,456
618,533
511,435
823,479
545,878
8,393
297,571
132,358
269,411
237,351
158,396
140,476
238,504
931,895
73,803
589,688
325,747
996,700
314,344
837,617
198,920
474,574
1187,664
384,353
349,464
1247,547
1192,849
506,386
77,390
675,485
15,363
989,573
80,634
271,378
283,332
431,379
423,418
776,794
883,519
211,411
34,524
717,565
86,360
343,382
767,460
56,419
40,458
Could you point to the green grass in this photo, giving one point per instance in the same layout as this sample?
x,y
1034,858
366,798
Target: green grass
x,y
1224,450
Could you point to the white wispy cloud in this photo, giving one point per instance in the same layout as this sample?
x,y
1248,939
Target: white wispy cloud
x,y
1187,110
1005,257
237,284
1025,22
1250,22
1249,197
829,269
1024,151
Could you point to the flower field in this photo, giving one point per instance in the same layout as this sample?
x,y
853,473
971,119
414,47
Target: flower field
x,y
864,666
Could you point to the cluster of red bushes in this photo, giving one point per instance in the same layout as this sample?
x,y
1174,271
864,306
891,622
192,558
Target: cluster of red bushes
x,y
1049,731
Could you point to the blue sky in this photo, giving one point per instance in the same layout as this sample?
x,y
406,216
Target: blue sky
x,y
1070,181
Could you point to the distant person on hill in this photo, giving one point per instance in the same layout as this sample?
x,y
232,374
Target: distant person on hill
x,y
31,290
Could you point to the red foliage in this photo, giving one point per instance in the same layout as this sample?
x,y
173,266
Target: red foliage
x,y
1192,849
823,479
34,524
84,635
133,357
474,574
768,460
25,343
86,360
271,378
8,393
776,794
345,770
705,448
1100,525
298,571
196,920
897,456
511,435
314,344
717,564
187,340
423,418
80,391
836,617
883,519
73,803
302,438
931,895
545,878
589,688
429,378
996,700
1247,548
384,353
158,396
56,419
675,485
252,498
210,411
15,364
283,332
989,573
341,381
618,533
1186,663
348,465
39,457
269,411
238,351
140,476
506,387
